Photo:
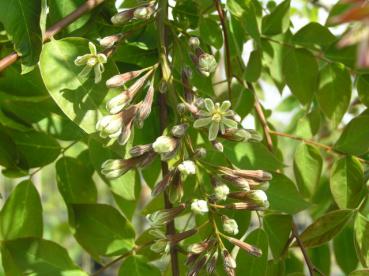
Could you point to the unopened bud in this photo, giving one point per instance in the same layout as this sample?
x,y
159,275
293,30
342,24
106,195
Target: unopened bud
x,y
210,266
187,167
221,192
109,41
245,246
160,246
207,64
199,153
122,17
164,144
194,42
161,217
179,130
229,262
263,186
259,197
122,79
199,102
218,146
114,168
116,104
230,226
181,108
199,207
110,126
140,150
143,12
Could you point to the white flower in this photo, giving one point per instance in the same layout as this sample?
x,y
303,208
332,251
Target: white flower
x,y
187,167
230,226
221,192
199,206
110,126
164,144
116,104
92,60
259,197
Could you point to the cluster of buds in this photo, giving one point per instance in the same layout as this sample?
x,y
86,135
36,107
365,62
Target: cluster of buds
x,y
162,217
124,115
93,60
144,12
200,255
205,62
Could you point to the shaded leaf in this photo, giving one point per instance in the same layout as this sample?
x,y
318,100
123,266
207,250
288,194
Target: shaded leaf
x,y
278,20
361,229
139,266
343,246
211,33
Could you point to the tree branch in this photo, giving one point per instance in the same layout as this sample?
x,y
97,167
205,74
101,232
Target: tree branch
x,y
167,78
223,19
53,30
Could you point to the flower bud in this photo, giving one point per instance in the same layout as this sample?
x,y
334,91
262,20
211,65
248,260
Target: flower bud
x,y
221,192
210,266
143,12
140,150
229,225
207,64
160,246
218,145
161,217
175,190
238,182
199,102
116,104
199,153
109,41
194,42
199,207
145,107
245,246
181,108
122,79
187,167
122,17
259,197
179,130
114,168
110,126
263,186
229,263
164,144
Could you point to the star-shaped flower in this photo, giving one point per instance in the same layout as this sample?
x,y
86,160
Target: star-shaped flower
x,y
92,60
217,116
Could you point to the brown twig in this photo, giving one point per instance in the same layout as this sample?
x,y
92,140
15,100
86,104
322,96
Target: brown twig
x,y
81,10
167,78
309,264
223,19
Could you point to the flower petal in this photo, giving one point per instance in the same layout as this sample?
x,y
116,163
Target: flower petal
x,y
213,130
202,122
225,106
85,71
209,105
102,58
92,47
97,70
229,123
82,60
203,113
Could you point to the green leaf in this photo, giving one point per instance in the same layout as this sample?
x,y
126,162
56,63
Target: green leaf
x,y
61,8
32,256
251,265
275,268
307,167
8,151
21,19
75,181
211,33
326,227
343,246
354,139
277,228
300,70
283,195
246,13
362,85
35,148
361,229
314,34
347,182
334,92
321,258
278,20
78,97
139,266
360,272
101,229
251,156
253,68
21,215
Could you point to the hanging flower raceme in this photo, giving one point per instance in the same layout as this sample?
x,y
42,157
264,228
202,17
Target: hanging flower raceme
x,y
93,60
217,117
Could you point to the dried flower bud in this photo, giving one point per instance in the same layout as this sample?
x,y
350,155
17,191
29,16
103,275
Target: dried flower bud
x,y
145,107
198,248
179,130
230,226
110,126
175,190
140,150
194,42
207,64
245,246
239,182
199,207
218,145
163,184
176,238
221,192
161,217
210,266
122,17
187,167
122,79
164,144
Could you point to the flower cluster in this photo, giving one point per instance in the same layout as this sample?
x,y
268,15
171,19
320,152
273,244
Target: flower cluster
x,y
206,63
144,11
